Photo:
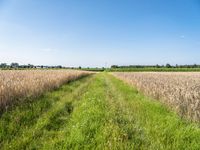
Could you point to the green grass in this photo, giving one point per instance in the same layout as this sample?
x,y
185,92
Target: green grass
x,y
96,112
159,127
26,121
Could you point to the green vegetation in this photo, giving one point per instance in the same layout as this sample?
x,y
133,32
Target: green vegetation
x,y
25,122
151,69
156,68
144,69
113,68
93,69
96,112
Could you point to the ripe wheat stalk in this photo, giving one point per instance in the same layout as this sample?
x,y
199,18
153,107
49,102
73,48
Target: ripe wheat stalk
x,y
16,85
180,91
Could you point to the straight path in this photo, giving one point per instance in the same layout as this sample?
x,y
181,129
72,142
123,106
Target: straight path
x,y
98,112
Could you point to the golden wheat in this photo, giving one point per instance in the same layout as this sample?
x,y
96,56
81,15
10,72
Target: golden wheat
x,y
16,85
181,91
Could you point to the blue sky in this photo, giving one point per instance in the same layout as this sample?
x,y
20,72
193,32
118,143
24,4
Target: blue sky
x,y
95,32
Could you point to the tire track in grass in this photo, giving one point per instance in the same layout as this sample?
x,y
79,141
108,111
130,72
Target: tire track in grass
x,y
51,133
88,116
29,134
100,120
121,130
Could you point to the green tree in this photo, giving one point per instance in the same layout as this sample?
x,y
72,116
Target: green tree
x,y
168,65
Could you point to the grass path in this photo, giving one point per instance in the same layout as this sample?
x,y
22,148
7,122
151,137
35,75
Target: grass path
x,y
97,112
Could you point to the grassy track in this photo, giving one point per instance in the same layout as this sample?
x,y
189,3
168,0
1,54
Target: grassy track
x,y
26,122
98,112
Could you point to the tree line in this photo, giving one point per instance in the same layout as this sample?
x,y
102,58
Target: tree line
x,y
18,66
156,66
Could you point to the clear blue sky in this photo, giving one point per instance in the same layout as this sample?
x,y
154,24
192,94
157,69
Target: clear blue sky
x,y
95,32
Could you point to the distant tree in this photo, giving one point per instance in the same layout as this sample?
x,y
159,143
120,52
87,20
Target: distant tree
x,y
195,66
59,66
22,66
114,66
168,65
3,65
79,67
14,65
157,66
30,66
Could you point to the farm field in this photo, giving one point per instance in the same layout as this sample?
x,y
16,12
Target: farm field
x,y
178,90
99,111
19,85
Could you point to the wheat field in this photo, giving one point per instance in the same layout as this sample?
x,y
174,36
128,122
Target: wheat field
x,y
16,85
180,91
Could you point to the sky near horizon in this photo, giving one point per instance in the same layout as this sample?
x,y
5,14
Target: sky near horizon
x,y
93,33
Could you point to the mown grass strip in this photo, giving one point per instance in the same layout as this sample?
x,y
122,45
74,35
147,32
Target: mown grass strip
x,y
121,130
100,120
88,117
63,97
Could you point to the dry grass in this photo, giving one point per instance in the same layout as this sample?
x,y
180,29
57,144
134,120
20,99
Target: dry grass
x,y
181,91
16,85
